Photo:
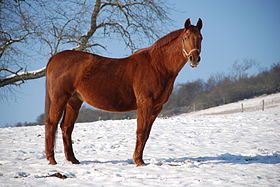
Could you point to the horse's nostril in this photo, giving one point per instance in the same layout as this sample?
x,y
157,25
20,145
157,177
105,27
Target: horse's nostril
x,y
198,59
191,58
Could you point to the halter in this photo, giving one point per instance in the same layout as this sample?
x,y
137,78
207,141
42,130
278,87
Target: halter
x,y
187,54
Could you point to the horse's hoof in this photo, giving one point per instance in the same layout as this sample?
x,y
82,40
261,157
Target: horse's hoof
x,y
52,162
75,161
139,162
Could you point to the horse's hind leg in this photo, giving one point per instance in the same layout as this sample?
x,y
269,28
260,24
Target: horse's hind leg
x,y
57,105
70,116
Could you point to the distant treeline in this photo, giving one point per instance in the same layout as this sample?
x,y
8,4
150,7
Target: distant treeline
x,y
217,90
221,89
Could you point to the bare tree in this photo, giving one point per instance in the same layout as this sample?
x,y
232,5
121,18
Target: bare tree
x,y
78,25
241,70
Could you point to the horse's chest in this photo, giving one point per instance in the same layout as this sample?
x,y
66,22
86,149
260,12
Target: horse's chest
x,y
164,93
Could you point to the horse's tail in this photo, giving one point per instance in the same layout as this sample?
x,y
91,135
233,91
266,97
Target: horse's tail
x,y
47,102
47,96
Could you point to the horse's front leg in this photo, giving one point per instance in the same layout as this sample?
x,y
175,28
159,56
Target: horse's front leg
x,y
144,124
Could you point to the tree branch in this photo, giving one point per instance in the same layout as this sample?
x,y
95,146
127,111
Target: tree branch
x,y
9,42
121,30
10,71
22,76
96,45
84,39
104,4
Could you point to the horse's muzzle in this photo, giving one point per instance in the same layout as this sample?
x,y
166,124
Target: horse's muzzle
x,y
194,61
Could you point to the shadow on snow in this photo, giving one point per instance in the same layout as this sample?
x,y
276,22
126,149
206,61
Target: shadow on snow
x,y
228,158
220,159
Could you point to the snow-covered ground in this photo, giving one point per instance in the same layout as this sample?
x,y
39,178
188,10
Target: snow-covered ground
x,y
215,147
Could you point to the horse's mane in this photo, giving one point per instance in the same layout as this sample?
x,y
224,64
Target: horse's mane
x,y
167,38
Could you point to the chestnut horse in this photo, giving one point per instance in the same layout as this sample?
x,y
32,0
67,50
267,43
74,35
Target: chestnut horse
x,y
142,82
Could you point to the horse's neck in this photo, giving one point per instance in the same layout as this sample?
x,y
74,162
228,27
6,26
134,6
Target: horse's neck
x,y
171,57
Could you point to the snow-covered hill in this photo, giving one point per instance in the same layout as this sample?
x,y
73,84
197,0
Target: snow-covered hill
x,y
215,147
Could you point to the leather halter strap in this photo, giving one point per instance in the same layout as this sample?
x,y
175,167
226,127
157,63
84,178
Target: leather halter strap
x,y
187,54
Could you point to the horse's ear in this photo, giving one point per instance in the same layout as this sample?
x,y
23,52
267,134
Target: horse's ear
x,y
199,24
187,23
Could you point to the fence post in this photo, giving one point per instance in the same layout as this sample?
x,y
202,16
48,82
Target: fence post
x,y
263,105
242,109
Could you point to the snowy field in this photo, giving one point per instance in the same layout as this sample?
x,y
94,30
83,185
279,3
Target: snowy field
x,y
215,147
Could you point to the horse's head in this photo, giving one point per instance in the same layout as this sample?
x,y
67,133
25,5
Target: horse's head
x,y
191,42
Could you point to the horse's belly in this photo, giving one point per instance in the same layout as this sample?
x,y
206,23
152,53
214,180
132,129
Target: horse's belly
x,y
119,99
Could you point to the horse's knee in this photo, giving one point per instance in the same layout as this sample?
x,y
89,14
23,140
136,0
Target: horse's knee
x,y
142,133
50,129
67,124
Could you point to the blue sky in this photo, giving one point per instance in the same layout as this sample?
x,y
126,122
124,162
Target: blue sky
x,y
232,31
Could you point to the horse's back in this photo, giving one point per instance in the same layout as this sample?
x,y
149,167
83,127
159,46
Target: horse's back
x,y
67,60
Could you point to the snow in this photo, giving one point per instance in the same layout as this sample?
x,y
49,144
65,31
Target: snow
x,y
220,146
16,74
